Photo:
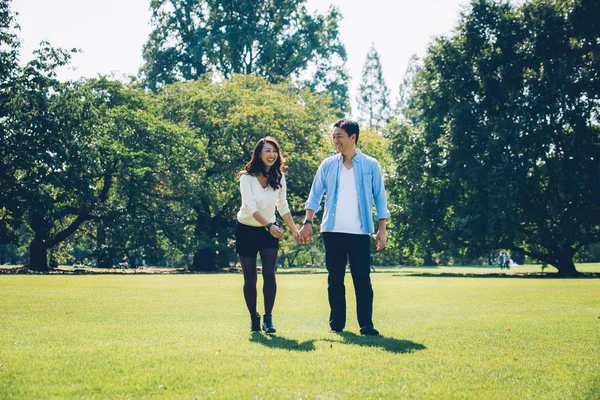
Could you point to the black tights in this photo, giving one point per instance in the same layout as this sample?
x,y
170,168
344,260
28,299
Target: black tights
x,y
269,266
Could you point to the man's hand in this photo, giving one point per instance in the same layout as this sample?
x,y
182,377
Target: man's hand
x,y
380,240
305,234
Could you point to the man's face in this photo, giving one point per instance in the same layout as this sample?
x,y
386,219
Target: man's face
x,y
341,140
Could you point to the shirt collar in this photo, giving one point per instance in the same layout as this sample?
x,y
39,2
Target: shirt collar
x,y
357,158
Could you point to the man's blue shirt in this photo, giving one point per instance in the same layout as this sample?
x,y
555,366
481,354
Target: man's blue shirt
x,y
369,188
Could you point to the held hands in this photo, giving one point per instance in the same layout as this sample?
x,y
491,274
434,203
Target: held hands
x,y
305,234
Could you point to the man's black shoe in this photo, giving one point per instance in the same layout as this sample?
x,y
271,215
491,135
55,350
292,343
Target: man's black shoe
x,y
369,331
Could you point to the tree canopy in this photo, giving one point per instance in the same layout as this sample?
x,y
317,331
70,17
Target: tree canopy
x,y
229,118
503,147
79,151
275,40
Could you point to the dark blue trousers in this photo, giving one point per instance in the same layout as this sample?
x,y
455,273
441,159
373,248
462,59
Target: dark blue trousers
x,y
339,249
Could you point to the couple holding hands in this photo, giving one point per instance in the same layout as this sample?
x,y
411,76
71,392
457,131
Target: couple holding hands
x,y
353,182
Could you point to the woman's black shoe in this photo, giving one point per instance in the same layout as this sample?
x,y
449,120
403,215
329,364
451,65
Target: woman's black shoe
x,y
268,324
255,323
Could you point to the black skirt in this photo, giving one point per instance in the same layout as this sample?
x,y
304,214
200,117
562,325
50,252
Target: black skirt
x,y
249,240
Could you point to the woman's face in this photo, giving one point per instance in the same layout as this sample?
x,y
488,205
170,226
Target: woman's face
x,y
269,155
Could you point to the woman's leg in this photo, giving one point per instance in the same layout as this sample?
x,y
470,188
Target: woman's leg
x,y
269,266
249,269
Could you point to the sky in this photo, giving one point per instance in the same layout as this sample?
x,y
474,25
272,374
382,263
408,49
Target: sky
x,y
111,33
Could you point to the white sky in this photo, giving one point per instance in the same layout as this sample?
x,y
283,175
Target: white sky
x,y
111,33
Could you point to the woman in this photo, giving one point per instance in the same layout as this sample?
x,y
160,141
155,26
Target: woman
x,y
263,188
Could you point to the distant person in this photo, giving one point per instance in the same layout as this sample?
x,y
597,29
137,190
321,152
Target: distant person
x,y
352,182
263,189
507,260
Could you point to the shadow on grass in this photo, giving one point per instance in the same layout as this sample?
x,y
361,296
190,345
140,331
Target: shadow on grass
x,y
279,342
386,343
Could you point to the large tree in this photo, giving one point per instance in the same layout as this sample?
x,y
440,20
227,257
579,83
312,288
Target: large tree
x,y
228,118
273,39
503,146
373,96
67,147
155,161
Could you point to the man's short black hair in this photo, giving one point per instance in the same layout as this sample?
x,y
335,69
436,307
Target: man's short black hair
x,y
350,126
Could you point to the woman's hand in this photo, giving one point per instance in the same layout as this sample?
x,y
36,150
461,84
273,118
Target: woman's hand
x,y
276,231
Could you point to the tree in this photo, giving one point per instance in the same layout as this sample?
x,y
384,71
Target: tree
x,y
156,161
9,51
275,40
504,147
228,118
373,94
68,146
405,89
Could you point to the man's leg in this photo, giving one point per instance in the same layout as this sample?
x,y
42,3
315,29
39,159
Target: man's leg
x,y
336,259
359,251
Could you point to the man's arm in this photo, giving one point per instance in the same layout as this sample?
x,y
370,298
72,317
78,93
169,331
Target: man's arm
x,y
381,208
379,197
381,238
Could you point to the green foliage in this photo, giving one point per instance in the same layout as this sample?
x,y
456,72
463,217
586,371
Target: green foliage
x,y
9,46
155,164
503,146
131,176
228,118
275,40
79,153
9,51
373,96
45,143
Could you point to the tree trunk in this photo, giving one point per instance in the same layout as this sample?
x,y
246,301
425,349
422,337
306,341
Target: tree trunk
x,y
566,266
38,255
428,259
204,261
103,256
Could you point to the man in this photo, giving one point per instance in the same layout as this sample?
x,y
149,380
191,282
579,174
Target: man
x,y
353,182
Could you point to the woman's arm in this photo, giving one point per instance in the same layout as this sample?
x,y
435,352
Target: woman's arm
x,y
289,221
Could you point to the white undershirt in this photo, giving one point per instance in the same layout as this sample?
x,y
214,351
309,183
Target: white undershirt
x,y
347,216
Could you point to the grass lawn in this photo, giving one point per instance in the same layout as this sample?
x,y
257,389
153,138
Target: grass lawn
x,y
187,336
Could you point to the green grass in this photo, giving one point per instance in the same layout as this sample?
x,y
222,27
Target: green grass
x,y
187,336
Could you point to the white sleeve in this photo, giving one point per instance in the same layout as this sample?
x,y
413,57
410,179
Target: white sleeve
x,y
282,204
248,198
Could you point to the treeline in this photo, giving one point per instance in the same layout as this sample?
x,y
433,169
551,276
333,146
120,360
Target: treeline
x,y
493,143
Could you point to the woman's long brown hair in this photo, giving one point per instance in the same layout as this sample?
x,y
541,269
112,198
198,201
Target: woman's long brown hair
x,y
256,165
